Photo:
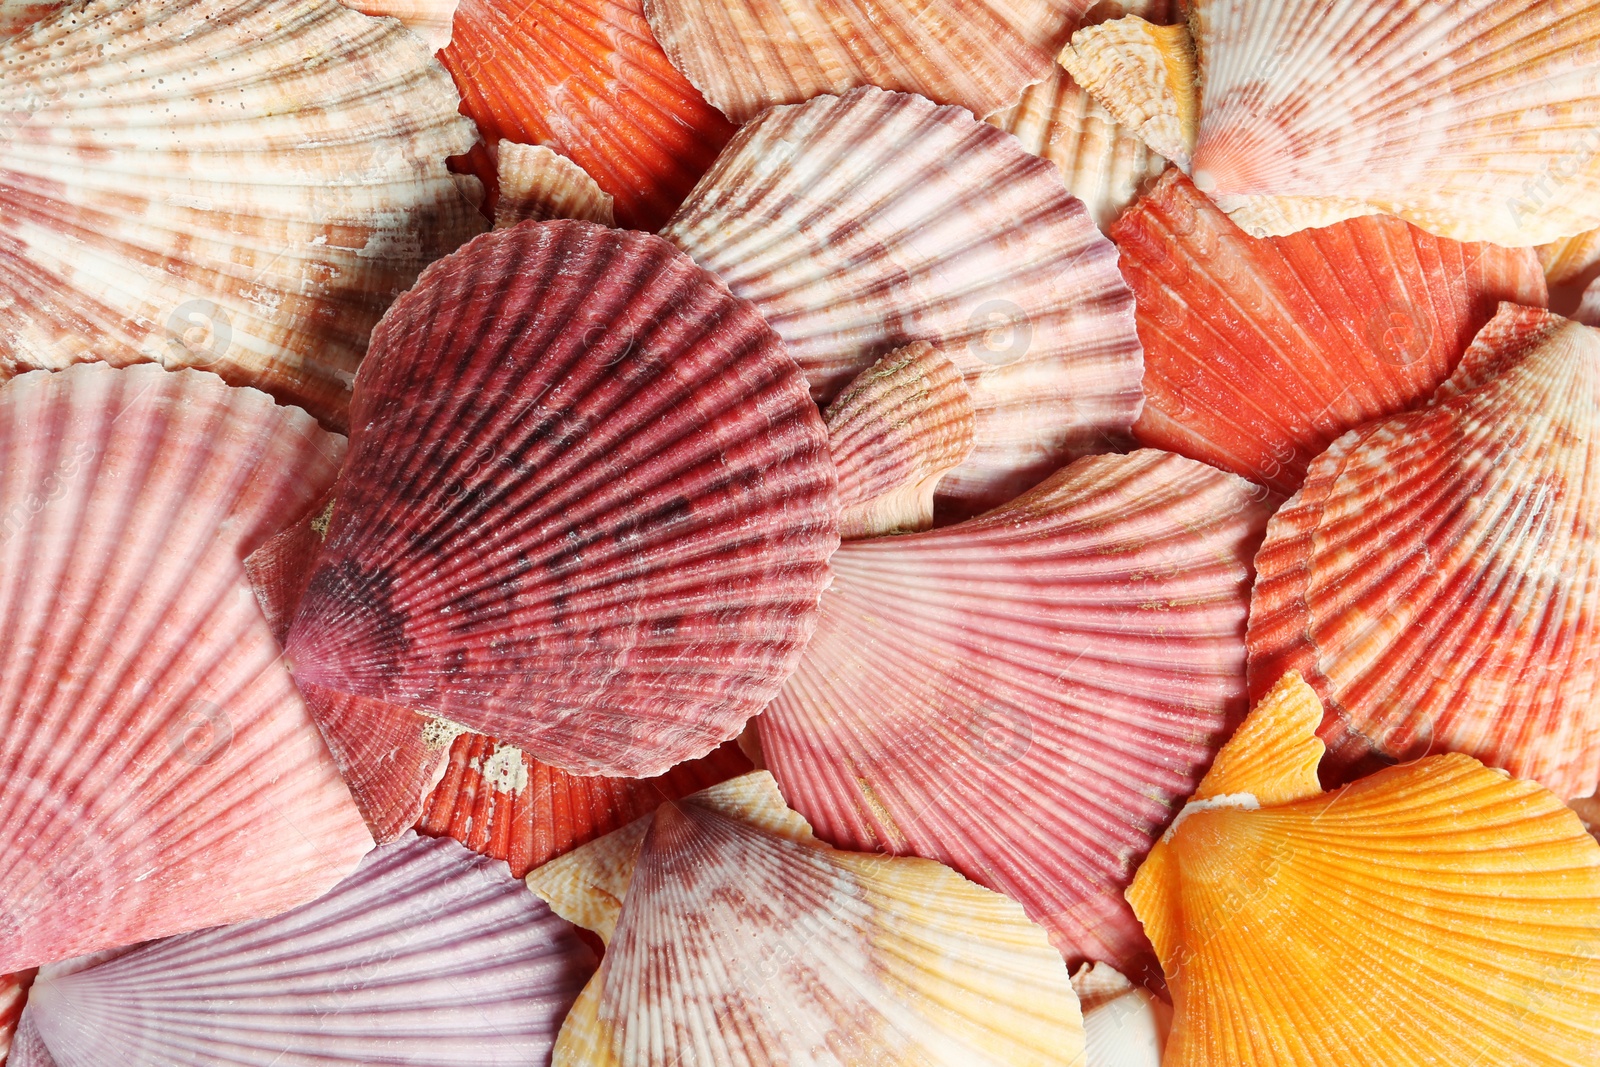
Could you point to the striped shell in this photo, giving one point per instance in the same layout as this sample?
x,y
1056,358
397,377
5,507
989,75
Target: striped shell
x,y
536,184
236,185
1028,696
862,223
427,955
1437,912
1437,579
158,771
1259,352
1144,75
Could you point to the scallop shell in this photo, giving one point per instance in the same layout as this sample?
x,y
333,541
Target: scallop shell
x,y
1123,1025
426,955
748,55
587,510
1259,352
158,772
185,186
859,224
1145,76
1571,259
13,995
537,184
1027,696
734,936
498,800
587,79
18,15
1436,579
1101,162
1437,912
429,19
1478,125
894,432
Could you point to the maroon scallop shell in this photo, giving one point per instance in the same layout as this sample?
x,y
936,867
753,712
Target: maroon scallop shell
x,y
587,509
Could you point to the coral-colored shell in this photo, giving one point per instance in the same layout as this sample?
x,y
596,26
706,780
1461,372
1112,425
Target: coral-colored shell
x,y
1144,75
1473,120
13,995
894,432
1259,352
158,772
859,224
734,936
498,800
18,15
748,55
537,184
184,186
587,509
1437,579
1029,695
587,78
427,955
1101,162
1437,912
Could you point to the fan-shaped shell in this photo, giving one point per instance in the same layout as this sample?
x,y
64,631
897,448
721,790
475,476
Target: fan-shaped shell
x,y
1259,352
587,79
426,955
1123,1025
1437,579
183,185
1144,75
1476,121
859,224
498,800
537,184
1028,695
158,772
733,936
1571,258
429,19
1437,912
1101,162
587,509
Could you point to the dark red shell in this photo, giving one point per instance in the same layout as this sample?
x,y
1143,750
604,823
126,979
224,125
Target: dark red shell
x,y
587,509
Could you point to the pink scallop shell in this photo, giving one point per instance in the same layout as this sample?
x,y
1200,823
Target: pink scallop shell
x,y
587,509
158,771
1028,696
1437,578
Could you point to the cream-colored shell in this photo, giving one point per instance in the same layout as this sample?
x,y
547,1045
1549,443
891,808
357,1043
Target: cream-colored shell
x,y
1145,77
537,183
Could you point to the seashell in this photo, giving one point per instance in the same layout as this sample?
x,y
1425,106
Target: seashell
x,y
426,955
537,184
1123,1025
13,995
1478,127
1101,162
1145,76
859,224
1588,311
498,800
251,212
894,432
18,15
734,936
158,772
1467,902
587,79
1259,352
1435,578
594,524
429,19
1029,695
1571,259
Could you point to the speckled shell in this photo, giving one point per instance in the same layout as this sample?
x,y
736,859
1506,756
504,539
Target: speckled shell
x,y
1475,120
1101,162
587,509
894,432
498,800
587,79
182,185
1029,695
1437,579
537,184
1437,912
1259,352
748,55
734,936
859,224
158,771
1144,75
427,955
